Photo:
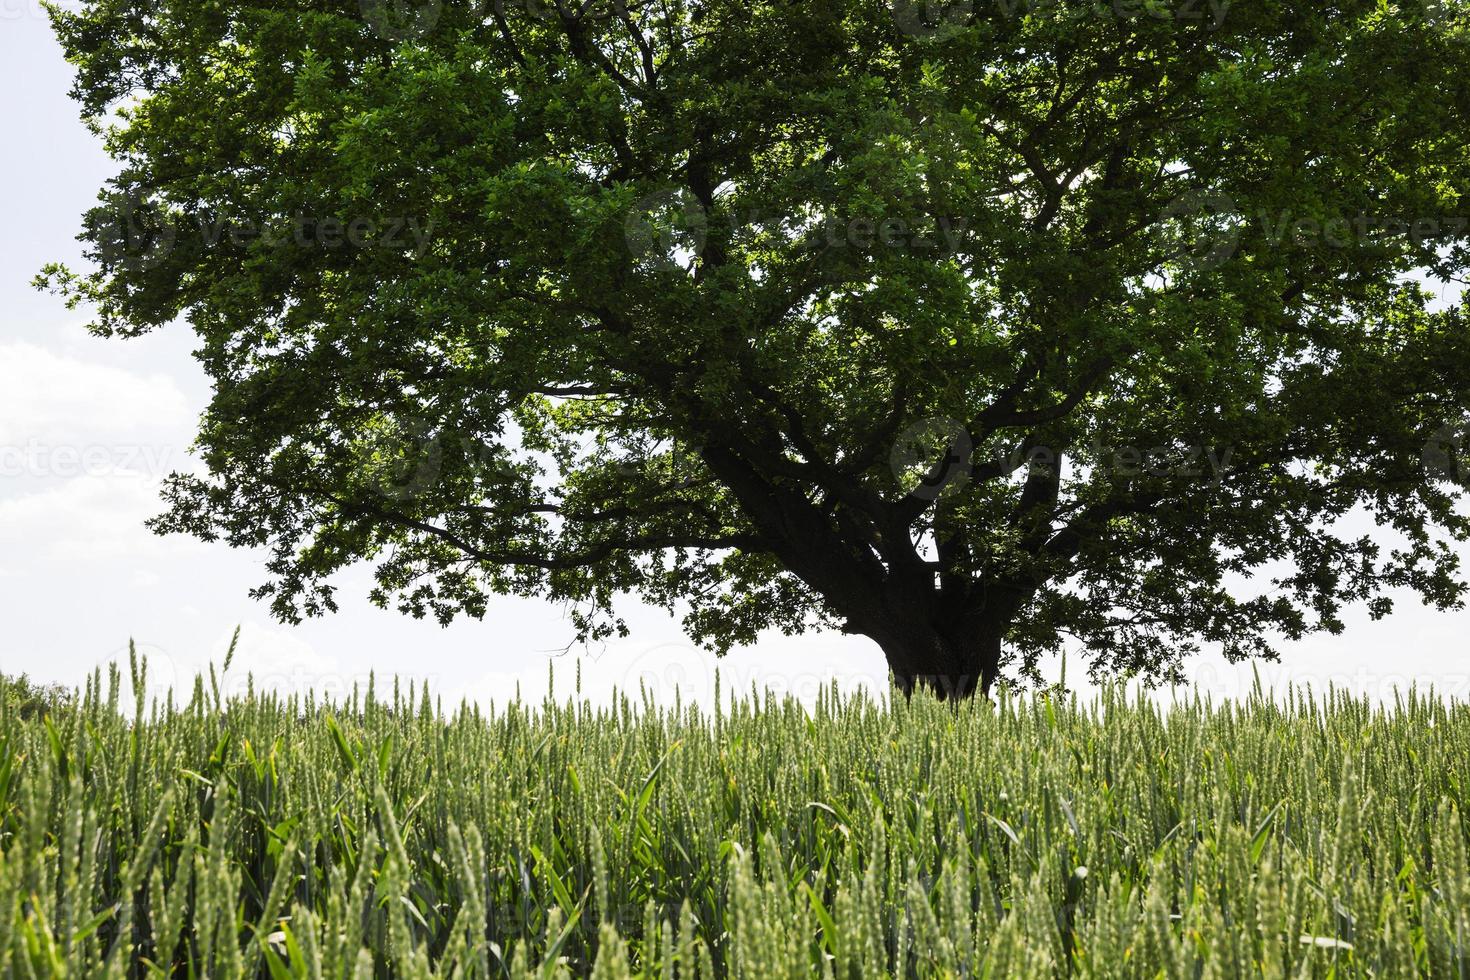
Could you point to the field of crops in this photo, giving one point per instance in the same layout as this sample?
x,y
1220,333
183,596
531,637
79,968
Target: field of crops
x,y
393,836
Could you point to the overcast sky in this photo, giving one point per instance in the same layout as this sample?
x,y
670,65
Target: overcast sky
x,y
89,426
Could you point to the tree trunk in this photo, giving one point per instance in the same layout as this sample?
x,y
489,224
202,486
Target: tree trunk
x,y
953,668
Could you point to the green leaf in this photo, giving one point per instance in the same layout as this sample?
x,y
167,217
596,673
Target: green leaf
x,y
344,751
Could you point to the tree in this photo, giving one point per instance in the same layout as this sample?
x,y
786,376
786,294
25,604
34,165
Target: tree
x,y
964,327
26,699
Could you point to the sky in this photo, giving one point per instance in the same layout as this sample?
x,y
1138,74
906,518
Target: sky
x,y
88,427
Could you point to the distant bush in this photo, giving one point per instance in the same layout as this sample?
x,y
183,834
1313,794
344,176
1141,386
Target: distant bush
x,y
29,699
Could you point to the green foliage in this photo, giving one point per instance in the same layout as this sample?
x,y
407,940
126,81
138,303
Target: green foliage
x,y
687,298
25,699
1028,837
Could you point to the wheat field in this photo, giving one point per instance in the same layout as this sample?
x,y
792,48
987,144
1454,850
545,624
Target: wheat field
x,y
251,834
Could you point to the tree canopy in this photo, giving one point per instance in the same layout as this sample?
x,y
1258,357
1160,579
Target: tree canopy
x,y
967,327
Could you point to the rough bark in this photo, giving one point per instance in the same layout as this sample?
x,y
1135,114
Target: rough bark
x,y
952,661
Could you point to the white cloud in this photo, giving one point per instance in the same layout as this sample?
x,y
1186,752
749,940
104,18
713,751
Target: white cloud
x,y
90,519
52,399
83,446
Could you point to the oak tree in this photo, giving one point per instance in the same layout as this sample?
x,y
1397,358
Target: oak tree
x,y
968,327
